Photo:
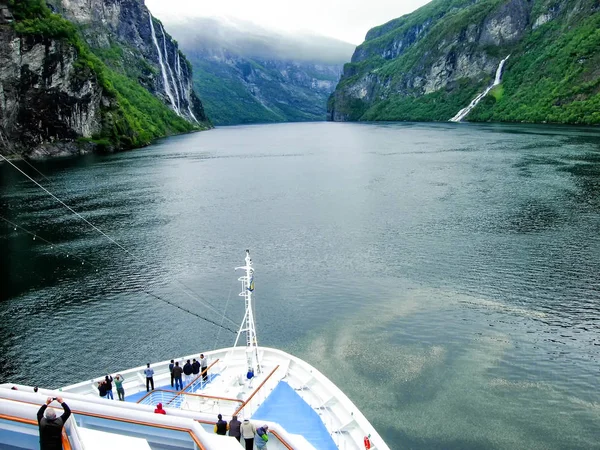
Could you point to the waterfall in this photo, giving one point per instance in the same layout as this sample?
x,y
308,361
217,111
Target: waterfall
x,y
169,66
183,91
162,68
465,111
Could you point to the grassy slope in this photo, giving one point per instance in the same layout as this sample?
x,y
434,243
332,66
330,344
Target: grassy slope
x,y
135,117
228,101
552,75
555,77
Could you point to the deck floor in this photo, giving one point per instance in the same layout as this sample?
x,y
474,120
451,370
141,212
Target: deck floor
x,y
287,408
134,398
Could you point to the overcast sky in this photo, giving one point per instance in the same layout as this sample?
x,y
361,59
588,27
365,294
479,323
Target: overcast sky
x,y
347,20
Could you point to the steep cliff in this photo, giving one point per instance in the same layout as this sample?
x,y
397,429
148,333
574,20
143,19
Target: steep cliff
x,y
430,64
246,74
84,75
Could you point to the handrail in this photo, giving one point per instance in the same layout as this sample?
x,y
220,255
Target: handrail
x,y
255,391
285,444
176,393
102,416
210,396
65,439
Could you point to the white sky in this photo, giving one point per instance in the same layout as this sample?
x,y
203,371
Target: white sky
x,y
347,20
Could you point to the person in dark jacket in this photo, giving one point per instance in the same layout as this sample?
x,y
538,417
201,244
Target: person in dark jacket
x,y
195,369
221,426
51,426
177,371
109,393
102,388
171,370
187,370
234,428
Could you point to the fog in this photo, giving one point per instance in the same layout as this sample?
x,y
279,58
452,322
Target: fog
x,y
251,40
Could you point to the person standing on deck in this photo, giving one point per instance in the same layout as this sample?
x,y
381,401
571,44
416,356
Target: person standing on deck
x,y
261,438
221,426
149,372
248,431
171,370
204,367
108,380
234,428
51,426
119,384
187,370
195,369
177,371
102,388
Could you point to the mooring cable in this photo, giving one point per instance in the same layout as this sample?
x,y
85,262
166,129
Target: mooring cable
x,y
84,261
196,297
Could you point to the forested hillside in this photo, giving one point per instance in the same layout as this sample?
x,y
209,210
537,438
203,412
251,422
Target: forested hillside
x,y
430,64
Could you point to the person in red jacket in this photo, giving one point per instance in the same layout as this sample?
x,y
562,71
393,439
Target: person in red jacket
x,y
159,409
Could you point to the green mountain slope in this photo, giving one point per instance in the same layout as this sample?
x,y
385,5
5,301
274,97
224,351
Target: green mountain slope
x,y
246,74
68,92
430,64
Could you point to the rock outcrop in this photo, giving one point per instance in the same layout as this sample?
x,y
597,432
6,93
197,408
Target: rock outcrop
x,y
92,82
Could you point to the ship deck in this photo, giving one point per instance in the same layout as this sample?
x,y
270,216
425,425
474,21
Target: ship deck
x,y
303,409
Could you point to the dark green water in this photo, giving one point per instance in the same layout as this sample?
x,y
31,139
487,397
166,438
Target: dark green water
x,y
446,277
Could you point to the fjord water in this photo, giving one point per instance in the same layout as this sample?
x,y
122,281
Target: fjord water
x,y
445,277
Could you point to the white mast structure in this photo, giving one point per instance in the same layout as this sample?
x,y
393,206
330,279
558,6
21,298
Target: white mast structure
x,y
247,325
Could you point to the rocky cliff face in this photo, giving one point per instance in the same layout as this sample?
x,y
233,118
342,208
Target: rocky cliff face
x,y
42,99
149,54
102,83
430,64
266,90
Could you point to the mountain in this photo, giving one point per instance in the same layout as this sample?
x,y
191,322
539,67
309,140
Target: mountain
x,y
247,74
430,64
85,75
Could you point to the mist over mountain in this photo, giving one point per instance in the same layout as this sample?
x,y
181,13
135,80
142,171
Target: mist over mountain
x,y
253,41
245,73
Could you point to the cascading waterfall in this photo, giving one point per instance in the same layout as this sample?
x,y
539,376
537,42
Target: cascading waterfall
x,y
162,68
184,92
465,111
169,66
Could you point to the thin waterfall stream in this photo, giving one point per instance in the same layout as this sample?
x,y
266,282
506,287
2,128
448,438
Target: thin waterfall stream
x,y
465,111
162,69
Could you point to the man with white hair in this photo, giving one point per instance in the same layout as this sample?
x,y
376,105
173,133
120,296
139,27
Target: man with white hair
x,y
51,426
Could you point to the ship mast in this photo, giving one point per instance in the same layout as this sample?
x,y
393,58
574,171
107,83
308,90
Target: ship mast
x,y
247,325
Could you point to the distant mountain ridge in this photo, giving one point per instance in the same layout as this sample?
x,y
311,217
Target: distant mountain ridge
x,y
85,75
430,64
247,74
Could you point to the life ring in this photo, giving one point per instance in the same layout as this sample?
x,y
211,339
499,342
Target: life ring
x,y
367,443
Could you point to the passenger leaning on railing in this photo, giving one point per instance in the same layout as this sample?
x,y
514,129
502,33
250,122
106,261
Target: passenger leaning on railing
x,y
262,437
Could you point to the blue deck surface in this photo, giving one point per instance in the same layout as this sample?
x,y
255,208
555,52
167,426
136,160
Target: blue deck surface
x,y
134,398
287,408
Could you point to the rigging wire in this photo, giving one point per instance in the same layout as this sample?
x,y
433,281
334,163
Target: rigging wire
x,y
52,245
224,312
196,297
